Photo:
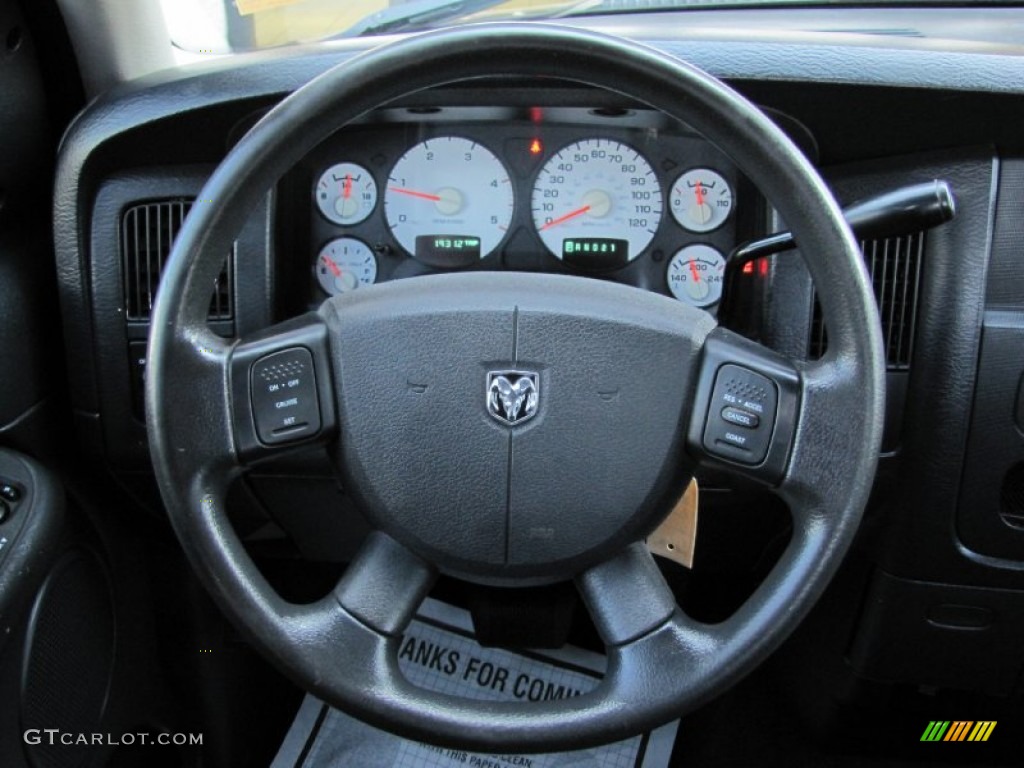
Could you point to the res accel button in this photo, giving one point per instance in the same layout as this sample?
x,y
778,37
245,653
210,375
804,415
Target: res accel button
x,y
284,397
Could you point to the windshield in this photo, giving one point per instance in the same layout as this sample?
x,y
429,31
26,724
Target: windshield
x,y
223,26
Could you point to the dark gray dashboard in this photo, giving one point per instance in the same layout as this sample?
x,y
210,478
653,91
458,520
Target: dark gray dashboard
x,y
871,114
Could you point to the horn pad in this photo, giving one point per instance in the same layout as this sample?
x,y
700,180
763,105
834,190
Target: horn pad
x,y
513,428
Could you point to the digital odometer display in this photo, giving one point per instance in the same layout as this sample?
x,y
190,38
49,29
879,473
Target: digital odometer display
x,y
595,252
447,250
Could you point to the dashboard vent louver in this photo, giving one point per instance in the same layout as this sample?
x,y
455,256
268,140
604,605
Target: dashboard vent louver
x,y
147,234
894,265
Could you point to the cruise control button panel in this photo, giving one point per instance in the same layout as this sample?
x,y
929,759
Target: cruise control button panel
x,y
284,396
744,405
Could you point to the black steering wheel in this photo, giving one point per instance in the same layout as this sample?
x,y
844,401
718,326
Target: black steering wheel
x,y
514,428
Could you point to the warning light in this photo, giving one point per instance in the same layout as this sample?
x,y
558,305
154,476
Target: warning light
x,y
748,268
762,267
535,147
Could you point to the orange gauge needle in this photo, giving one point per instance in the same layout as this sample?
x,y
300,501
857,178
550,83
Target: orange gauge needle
x,y
414,193
693,268
335,269
700,193
562,219
348,186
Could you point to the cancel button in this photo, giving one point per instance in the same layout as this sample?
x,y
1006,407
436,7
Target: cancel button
x,y
740,417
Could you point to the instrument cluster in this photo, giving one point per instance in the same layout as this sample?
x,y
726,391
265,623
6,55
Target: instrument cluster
x,y
615,194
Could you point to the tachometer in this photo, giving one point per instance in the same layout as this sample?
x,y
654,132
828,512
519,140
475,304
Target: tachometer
x,y
445,188
596,190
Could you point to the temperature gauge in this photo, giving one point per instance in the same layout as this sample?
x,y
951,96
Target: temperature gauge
x,y
695,275
345,264
701,200
346,193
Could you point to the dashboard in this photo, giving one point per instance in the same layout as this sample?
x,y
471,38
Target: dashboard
x,y
503,175
612,193
544,177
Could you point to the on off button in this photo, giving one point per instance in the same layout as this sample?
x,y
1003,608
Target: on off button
x,y
284,399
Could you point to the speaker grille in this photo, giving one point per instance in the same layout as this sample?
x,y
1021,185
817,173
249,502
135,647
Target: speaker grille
x,y
69,658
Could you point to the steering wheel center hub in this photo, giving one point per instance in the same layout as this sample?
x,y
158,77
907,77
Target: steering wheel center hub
x,y
513,428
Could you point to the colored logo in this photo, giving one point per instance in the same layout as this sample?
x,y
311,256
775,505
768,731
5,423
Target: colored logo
x,y
958,730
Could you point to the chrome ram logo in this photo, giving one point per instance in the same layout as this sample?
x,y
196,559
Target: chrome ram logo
x,y
512,396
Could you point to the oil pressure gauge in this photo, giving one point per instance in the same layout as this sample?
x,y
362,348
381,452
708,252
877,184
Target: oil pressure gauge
x,y
701,200
346,193
345,264
695,275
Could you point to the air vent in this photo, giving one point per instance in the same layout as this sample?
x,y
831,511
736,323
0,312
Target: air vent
x,y
894,265
147,233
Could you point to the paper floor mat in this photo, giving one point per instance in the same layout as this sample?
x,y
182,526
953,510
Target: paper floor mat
x,y
439,653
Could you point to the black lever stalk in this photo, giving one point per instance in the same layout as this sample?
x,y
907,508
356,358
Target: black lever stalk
x,y
897,212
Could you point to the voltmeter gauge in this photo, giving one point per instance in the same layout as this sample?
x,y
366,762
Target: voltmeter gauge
x,y
346,193
345,264
701,200
695,275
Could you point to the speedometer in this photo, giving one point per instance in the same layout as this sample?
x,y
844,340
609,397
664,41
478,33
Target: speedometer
x,y
593,194
448,189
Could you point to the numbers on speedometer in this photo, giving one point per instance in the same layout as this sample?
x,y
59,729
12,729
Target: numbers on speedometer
x,y
449,187
596,188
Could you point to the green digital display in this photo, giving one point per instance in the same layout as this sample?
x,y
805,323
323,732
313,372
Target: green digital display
x,y
442,249
595,252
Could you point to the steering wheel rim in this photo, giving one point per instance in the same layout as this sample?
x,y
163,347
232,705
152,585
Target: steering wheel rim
x,y
191,395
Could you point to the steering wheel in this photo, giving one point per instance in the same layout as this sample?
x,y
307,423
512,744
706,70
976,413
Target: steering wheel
x,y
609,396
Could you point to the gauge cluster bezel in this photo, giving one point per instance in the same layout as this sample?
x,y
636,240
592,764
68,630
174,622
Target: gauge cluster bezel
x,y
513,135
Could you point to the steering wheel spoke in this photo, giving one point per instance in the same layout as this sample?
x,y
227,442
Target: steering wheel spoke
x,y
647,636
384,585
626,595
281,392
746,407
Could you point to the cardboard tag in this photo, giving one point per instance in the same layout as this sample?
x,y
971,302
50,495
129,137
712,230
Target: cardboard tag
x,y
676,537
